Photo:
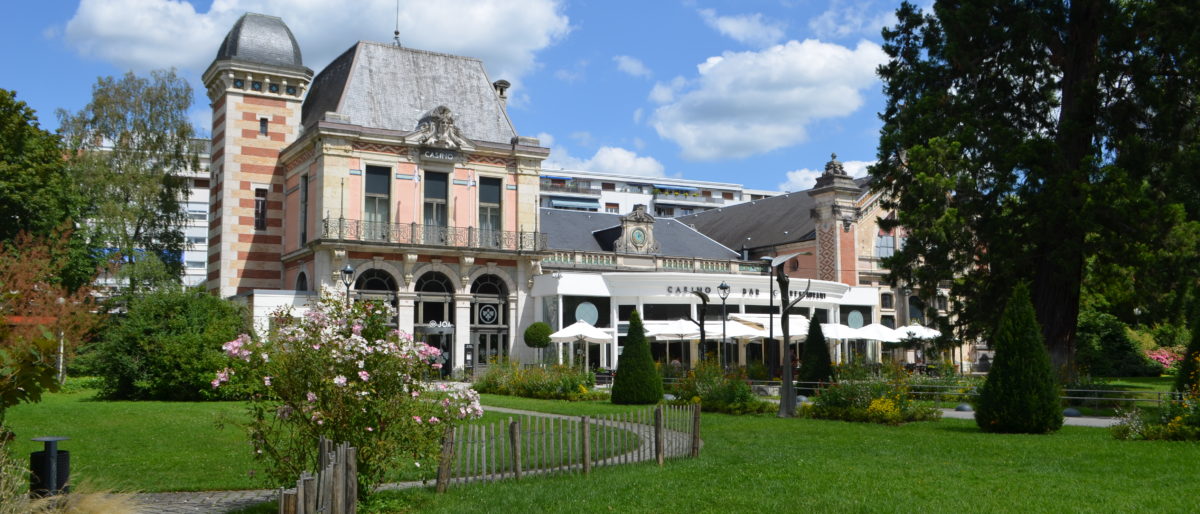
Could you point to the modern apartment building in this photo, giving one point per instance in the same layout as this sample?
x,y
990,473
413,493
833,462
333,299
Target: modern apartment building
x,y
617,193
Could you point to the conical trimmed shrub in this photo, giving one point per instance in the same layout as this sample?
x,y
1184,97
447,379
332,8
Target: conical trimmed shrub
x,y
814,363
1021,394
637,382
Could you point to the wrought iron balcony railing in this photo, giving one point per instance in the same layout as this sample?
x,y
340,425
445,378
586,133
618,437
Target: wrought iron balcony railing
x,y
432,235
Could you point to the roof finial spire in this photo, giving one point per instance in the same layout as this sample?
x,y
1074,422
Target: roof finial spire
x,y
396,33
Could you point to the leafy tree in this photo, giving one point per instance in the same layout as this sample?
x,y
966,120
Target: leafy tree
x,y
1106,350
637,381
1023,140
1188,378
537,335
129,148
1021,394
815,364
38,313
166,346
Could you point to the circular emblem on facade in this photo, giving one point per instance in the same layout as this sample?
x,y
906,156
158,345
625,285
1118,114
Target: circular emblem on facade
x,y
854,319
586,311
487,314
638,236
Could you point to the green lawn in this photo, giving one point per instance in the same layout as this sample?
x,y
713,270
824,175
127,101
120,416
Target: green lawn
x,y
143,446
764,464
748,464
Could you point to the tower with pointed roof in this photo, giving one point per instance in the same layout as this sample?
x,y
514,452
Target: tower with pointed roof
x,y
256,84
835,217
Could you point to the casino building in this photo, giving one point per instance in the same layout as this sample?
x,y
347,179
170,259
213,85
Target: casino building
x,y
400,171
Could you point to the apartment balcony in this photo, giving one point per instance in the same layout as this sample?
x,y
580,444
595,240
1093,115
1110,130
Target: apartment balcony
x,y
674,198
414,234
570,189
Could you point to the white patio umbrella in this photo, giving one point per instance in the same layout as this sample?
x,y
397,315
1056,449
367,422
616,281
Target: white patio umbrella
x,y
581,332
840,331
673,330
879,332
917,332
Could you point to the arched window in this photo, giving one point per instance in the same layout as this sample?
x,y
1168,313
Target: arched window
x,y
302,282
434,282
375,280
489,285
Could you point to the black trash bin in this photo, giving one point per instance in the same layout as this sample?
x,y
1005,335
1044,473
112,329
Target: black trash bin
x,y
42,482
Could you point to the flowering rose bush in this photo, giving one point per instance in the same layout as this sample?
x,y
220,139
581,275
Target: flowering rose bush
x,y
1168,357
338,371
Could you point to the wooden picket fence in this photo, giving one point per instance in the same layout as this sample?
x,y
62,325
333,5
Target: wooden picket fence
x,y
555,444
334,489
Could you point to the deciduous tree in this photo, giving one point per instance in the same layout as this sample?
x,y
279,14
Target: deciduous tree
x,y
1023,139
129,148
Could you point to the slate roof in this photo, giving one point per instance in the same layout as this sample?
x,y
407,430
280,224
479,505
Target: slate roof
x,y
771,221
261,39
596,232
389,87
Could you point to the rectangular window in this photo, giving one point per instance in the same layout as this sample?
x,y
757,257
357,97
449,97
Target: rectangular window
x,y
436,199
260,209
195,264
885,246
665,212
262,126
885,301
200,183
942,303
489,212
727,195
197,215
608,186
613,208
303,209
197,240
888,321
375,205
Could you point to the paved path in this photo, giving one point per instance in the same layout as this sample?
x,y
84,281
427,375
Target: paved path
x,y
226,501
1080,421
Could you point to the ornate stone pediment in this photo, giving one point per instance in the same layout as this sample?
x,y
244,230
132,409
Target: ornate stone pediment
x,y
437,130
637,233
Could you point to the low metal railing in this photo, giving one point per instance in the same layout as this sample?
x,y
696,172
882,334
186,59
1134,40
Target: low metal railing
x,y
431,235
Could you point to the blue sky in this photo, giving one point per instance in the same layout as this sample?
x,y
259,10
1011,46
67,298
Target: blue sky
x,y
751,92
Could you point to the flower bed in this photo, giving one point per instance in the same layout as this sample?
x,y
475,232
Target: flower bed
x,y
884,402
552,383
717,391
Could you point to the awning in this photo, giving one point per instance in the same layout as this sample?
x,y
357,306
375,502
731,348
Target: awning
x,y
675,188
555,177
861,296
575,204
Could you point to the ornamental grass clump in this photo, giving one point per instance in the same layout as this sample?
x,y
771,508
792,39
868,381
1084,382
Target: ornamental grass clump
x,y
1021,393
545,383
717,391
340,372
870,401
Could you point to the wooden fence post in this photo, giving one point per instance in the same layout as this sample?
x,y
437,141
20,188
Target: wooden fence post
x,y
587,446
659,453
352,479
514,439
695,430
309,483
443,476
287,502
339,481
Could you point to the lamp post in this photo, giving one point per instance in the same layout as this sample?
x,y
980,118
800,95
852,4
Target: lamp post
x,y
347,275
723,291
767,261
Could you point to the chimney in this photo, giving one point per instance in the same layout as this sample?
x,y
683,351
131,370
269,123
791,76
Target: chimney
x,y
501,86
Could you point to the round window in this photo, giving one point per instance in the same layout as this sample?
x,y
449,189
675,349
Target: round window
x,y
855,319
487,314
586,311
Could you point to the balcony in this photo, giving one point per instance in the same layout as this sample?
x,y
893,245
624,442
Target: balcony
x,y
431,235
578,189
684,198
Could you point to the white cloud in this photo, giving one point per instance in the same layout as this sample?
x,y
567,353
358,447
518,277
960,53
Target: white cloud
x,y
148,34
545,139
665,92
748,103
582,138
632,66
748,29
804,178
637,115
608,159
852,19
